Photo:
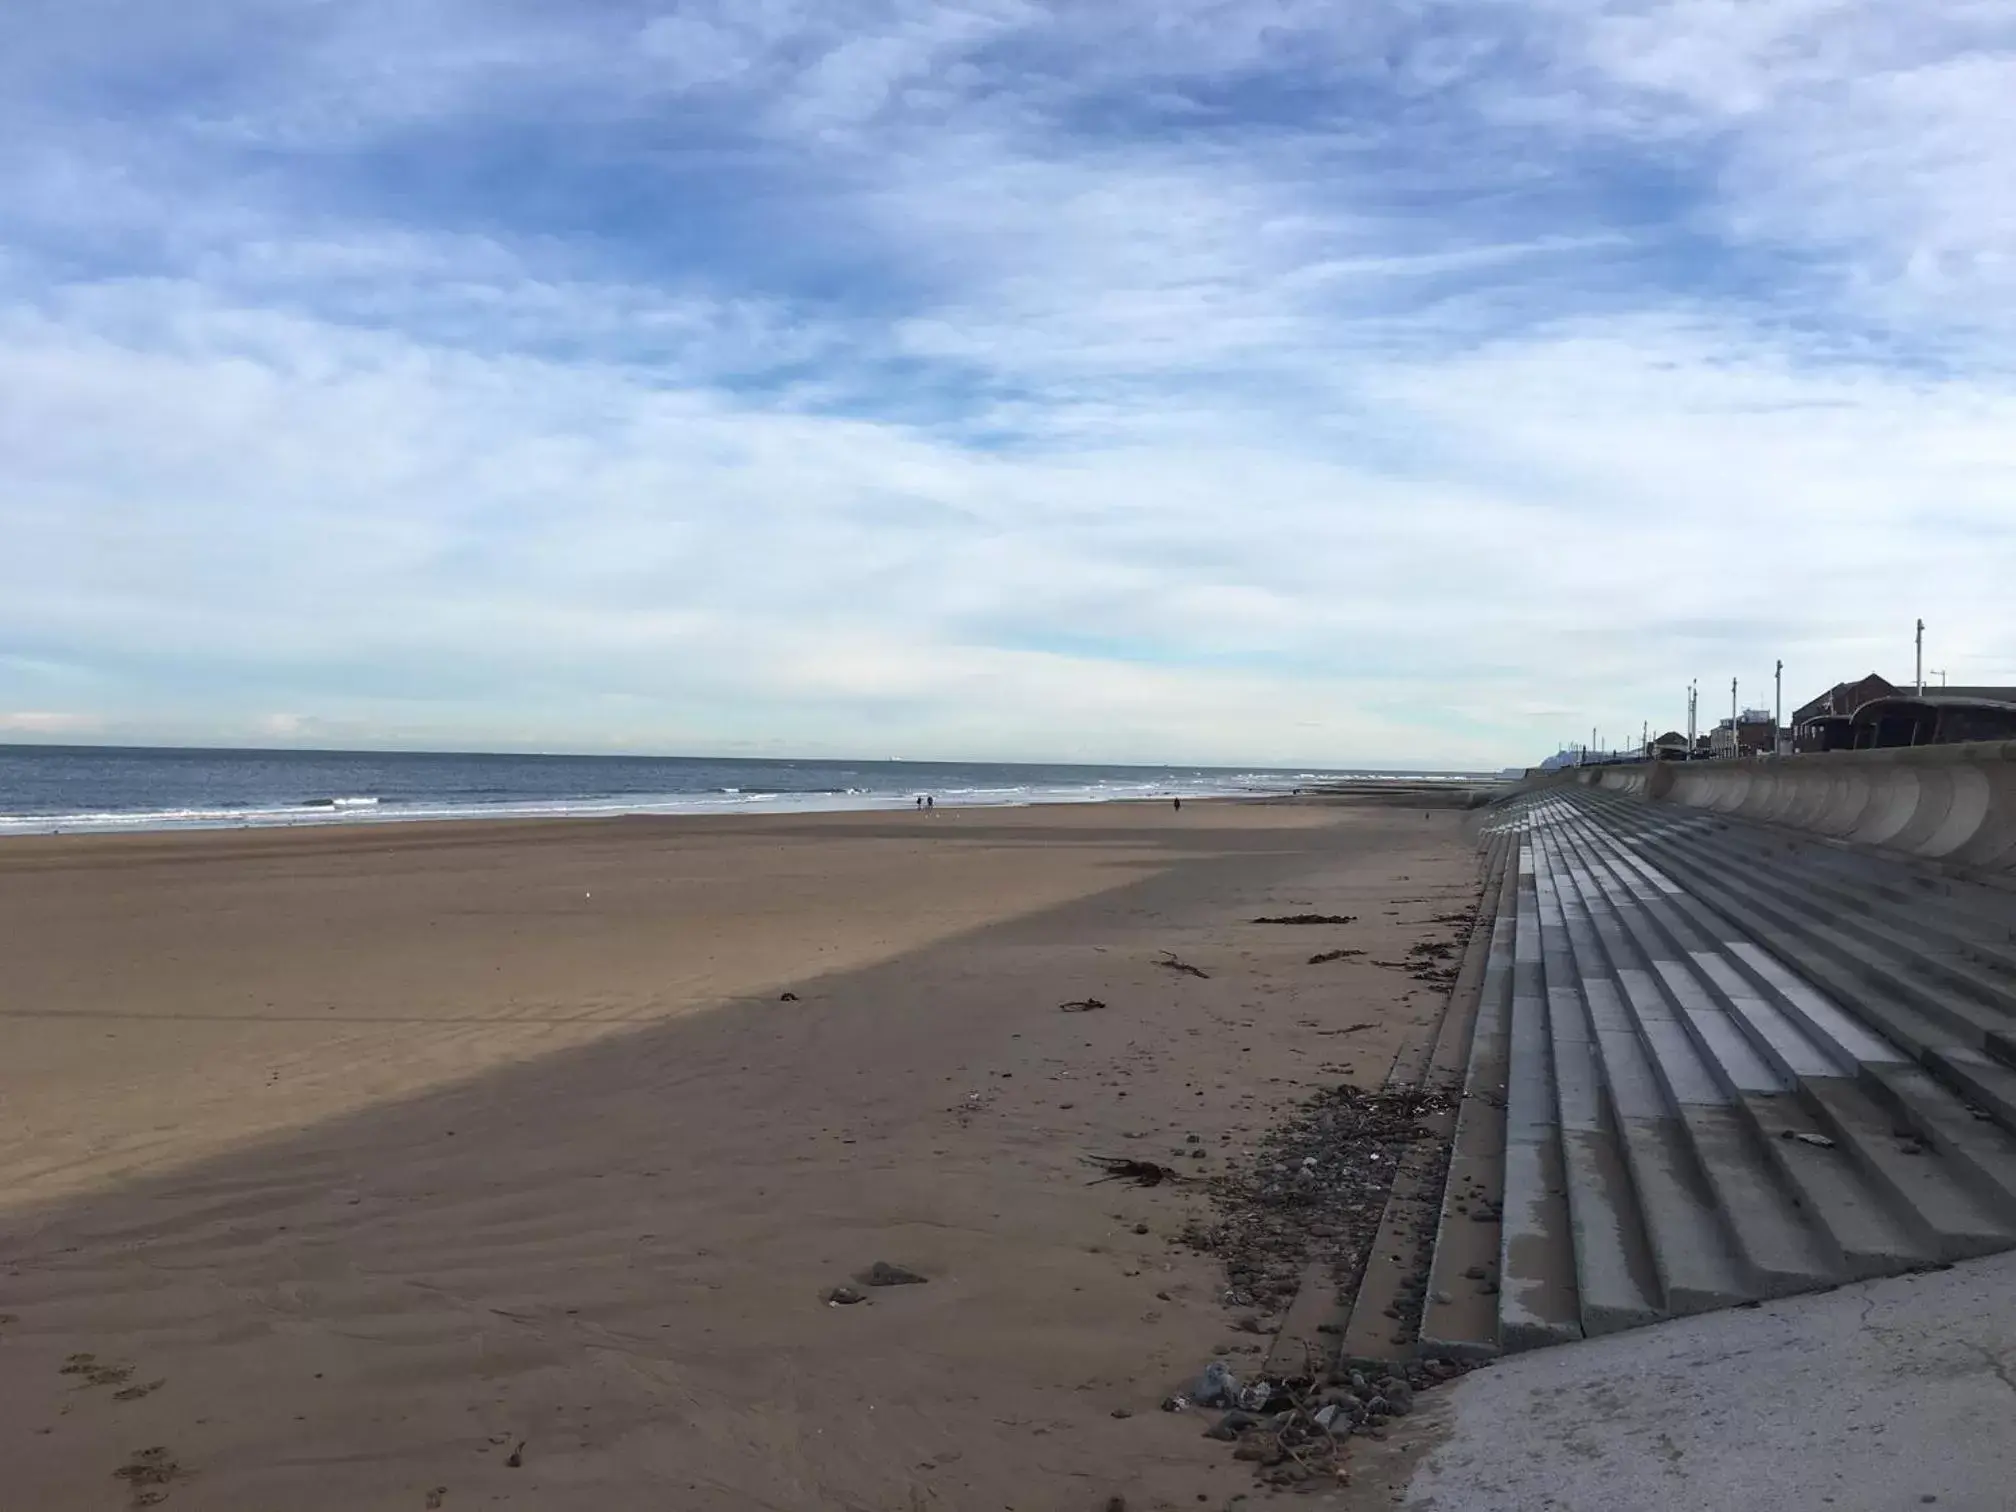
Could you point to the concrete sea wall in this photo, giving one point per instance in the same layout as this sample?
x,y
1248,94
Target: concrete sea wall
x,y
1951,803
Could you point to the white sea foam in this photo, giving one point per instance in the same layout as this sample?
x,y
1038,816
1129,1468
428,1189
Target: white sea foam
x,y
362,809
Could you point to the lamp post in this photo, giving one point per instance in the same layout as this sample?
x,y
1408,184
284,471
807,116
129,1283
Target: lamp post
x,y
1778,710
1920,674
1735,737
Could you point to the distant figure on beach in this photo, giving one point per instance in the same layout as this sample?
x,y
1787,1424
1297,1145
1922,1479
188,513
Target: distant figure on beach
x,y
931,803
920,800
1179,804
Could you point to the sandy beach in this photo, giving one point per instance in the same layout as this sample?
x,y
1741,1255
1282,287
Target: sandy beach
x,y
478,1165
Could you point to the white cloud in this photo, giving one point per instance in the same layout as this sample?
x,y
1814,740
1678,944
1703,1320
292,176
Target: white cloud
x,y
1236,380
47,722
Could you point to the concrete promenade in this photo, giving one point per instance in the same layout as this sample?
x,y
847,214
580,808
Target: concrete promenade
x,y
1884,1396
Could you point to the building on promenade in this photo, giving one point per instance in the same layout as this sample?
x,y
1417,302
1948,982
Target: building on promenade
x,y
1873,714
1754,733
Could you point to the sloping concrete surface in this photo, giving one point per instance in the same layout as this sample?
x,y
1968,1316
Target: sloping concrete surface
x,y
1879,1397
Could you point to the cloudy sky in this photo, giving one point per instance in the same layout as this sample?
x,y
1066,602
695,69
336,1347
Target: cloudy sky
x,y
1246,380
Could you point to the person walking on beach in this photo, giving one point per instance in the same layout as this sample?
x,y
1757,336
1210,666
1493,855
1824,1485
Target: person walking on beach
x,y
930,804
1179,804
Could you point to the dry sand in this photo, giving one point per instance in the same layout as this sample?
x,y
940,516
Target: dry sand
x,y
483,1165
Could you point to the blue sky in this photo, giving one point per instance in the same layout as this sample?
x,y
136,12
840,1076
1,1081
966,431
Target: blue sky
x,y
1251,380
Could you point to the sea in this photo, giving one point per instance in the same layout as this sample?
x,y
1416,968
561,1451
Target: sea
x,y
114,789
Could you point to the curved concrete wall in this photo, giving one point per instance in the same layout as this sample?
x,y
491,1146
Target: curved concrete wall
x,y
1945,803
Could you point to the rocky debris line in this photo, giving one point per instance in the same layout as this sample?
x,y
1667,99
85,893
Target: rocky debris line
x,y
1316,1185
1294,1429
1434,961
1308,918
1169,962
1081,1005
1333,955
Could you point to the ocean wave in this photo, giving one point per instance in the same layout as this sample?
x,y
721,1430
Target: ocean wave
x,y
477,804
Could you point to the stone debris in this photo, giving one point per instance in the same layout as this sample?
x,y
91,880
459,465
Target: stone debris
x,y
1217,1387
1294,1430
1315,1188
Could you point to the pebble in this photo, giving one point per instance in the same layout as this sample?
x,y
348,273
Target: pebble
x,y
1229,1427
882,1273
844,1296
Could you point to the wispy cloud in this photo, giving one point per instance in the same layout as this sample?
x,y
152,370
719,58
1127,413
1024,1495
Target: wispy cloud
x,y
1244,380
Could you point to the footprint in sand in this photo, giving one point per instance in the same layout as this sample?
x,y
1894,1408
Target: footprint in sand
x,y
148,1472
95,1374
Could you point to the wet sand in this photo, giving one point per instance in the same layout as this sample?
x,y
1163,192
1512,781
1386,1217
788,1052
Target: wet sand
x,y
486,1165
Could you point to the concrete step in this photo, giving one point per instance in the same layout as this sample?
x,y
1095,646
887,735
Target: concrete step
x,y
1982,1154
1383,1319
1692,1250
1813,1120
1730,1067
1833,958
1725,1097
1955,1207
1923,945
1617,1286
1537,1302
1460,1318
1977,919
